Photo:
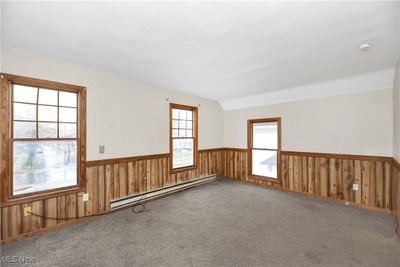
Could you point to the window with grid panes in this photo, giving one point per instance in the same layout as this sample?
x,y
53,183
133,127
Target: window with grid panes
x,y
44,139
183,136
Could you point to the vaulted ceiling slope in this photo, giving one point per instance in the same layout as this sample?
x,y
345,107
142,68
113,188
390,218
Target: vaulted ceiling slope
x,y
217,50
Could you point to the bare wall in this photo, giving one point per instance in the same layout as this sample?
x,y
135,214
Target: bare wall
x,y
128,117
359,123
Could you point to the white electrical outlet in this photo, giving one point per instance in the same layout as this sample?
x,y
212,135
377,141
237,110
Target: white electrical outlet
x,y
85,197
355,187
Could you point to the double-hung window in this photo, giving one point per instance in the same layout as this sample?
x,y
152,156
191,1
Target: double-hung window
x,y
183,136
46,136
264,148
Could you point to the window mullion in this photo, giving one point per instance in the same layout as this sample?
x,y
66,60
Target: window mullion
x,y
37,112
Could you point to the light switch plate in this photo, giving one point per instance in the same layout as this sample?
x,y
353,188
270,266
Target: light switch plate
x,y
85,197
355,187
102,149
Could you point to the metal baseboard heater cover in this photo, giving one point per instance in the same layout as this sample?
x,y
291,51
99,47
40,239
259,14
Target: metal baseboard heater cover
x,y
148,195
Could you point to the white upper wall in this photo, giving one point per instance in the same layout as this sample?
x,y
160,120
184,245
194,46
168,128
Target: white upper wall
x,y
359,124
128,117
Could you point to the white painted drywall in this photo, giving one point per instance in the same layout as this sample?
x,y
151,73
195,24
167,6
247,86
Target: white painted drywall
x,y
359,123
396,114
128,117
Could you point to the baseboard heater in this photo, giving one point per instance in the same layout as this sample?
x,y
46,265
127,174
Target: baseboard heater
x,y
134,199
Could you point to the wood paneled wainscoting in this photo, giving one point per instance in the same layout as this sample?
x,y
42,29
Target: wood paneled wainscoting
x,y
396,195
328,176
106,180
324,175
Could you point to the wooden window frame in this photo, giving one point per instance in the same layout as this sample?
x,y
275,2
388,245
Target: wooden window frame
x,y
195,137
250,124
6,138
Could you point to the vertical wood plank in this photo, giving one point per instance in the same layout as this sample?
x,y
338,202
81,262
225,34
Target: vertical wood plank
x,y
109,185
89,190
116,181
11,221
317,176
348,179
357,194
333,175
102,189
310,175
50,210
296,173
131,178
365,182
123,180
70,209
324,166
61,210
387,186
81,205
304,175
372,185
95,190
379,184
291,172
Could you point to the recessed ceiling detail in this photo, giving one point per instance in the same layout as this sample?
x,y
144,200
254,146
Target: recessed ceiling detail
x,y
217,50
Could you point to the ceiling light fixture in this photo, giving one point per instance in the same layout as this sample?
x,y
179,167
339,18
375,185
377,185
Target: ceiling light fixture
x,y
365,47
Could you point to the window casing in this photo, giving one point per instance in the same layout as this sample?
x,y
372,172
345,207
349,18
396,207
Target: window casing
x,y
183,137
45,137
264,148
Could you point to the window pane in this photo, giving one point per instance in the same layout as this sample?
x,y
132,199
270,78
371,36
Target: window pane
x,y
24,112
25,93
175,113
182,124
68,99
182,133
47,130
189,133
24,129
182,114
265,135
46,113
175,133
189,124
189,115
264,163
42,165
182,153
48,97
175,124
68,114
67,130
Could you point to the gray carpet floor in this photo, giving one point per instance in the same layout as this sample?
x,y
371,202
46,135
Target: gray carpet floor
x,y
225,223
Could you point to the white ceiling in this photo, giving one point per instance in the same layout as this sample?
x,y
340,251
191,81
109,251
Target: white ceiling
x,y
217,50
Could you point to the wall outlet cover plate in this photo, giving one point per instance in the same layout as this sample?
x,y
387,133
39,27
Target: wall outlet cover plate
x,y
85,197
27,211
355,187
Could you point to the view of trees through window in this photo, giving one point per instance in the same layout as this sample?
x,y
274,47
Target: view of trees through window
x,y
44,139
